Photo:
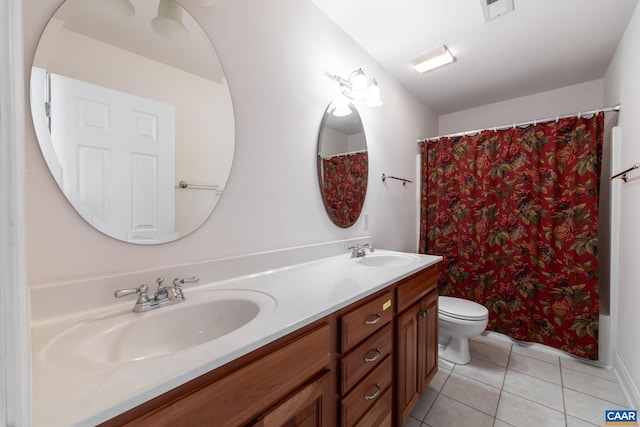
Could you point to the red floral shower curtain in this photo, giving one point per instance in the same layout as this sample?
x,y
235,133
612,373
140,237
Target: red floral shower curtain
x,y
514,214
344,186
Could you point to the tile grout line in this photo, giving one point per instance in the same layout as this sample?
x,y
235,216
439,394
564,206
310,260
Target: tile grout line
x,y
502,387
564,400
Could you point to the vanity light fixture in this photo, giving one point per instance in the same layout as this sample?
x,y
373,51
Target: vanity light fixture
x,y
168,23
432,59
357,87
341,107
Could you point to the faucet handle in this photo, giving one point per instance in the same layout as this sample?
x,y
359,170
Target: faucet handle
x,y
142,290
179,281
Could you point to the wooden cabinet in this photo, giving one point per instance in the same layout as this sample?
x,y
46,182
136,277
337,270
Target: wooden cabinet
x,y
287,379
416,339
366,361
364,366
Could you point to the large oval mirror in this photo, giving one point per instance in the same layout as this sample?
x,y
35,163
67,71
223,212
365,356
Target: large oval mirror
x,y
133,116
343,162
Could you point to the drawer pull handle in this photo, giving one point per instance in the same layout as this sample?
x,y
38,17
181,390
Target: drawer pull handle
x,y
374,321
374,395
424,313
374,357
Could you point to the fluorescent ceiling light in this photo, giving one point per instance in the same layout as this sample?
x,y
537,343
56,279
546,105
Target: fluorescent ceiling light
x,y
435,58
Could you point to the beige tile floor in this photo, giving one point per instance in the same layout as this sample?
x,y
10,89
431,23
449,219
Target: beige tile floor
x,y
508,384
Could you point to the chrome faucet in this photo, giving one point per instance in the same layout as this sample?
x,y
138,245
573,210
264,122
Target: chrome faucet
x,y
358,250
164,295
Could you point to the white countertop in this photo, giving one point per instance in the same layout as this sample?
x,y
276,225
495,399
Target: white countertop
x,y
82,392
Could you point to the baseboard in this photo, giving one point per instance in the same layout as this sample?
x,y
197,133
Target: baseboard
x,y
630,388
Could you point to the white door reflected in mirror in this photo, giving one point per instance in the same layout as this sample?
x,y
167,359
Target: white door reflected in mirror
x,y
94,130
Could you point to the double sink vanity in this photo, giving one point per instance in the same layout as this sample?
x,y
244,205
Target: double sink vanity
x,y
322,338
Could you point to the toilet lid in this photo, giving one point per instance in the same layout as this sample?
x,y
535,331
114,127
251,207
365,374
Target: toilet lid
x,y
463,309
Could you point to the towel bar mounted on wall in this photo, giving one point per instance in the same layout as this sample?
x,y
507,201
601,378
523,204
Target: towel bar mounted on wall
x,y
404,181
185,184
623,174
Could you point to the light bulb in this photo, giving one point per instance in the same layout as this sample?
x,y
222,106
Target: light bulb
x,y
359,85
341,107
373,97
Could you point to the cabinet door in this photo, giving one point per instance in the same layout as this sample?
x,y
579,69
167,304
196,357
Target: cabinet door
x,y
428,339
407,377
307,407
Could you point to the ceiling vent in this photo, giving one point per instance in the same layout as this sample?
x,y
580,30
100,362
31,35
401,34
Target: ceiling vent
x,y
494,8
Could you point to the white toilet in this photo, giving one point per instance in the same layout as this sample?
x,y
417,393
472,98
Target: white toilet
x,y
459,319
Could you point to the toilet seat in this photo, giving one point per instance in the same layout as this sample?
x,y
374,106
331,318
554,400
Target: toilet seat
x,y
461,309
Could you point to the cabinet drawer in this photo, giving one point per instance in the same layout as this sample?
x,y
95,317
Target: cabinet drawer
x,y
366,393
365,320
365,357
412,289
243,394
380,414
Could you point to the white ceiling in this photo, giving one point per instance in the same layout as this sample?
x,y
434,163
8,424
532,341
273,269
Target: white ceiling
x,y
541,45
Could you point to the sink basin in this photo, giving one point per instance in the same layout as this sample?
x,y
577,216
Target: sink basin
x,y
387,259
128,337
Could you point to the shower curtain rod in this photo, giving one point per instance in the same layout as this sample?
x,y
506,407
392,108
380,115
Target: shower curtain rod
x,y
530,122
348,153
